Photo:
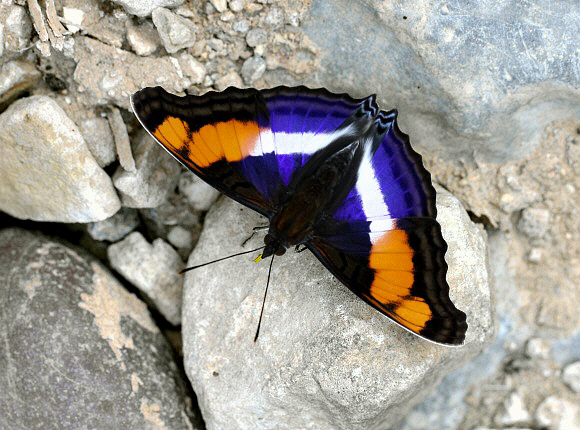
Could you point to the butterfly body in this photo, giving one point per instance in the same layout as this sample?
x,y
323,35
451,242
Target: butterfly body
x,y
329,172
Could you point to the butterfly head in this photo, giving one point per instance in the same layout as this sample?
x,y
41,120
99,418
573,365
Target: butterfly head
x,y
273,246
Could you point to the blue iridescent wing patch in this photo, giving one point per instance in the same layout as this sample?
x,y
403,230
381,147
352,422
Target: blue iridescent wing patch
x,y
331,172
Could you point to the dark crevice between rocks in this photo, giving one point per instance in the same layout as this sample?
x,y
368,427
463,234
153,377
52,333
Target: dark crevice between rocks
x,y
481,219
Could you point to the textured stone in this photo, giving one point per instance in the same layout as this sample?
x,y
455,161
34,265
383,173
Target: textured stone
x,y
116,227
220,5
156,173
48,173
512,411
144,39
534,222
324,359
199,193
16,29
556,413
176,32
571,376
153,268
256,36
180,237
78,350
479,79
145,7
121,137
99,139
193,69
253,69
231,79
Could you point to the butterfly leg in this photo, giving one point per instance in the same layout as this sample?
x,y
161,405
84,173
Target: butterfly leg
x,y
254,231
297,249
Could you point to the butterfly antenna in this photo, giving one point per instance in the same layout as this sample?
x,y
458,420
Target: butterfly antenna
x,y
187,269
264,301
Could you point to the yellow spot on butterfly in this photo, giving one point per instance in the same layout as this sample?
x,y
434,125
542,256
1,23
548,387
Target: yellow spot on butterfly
x,y
258,258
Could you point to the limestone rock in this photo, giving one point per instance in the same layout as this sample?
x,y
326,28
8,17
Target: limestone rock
x,y
48,173
153,268
145,7
78,350
156,173
324,358
556,413
99,139
176,32
199,193
116,227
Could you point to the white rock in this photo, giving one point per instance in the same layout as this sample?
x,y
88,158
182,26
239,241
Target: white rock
x,y
253,69
144,39
192,68
538,348
220,5
324,358
180,237
73,17
116,227
512,411
17,27
48,173
121,137
145,7
199,194
556,413
156,173
176,32
99,138
153,268
231,79
15,77
571,376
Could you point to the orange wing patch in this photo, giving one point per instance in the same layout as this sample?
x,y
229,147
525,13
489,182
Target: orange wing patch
x,y
391,258
232,140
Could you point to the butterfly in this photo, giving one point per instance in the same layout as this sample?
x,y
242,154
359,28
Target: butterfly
x,y
330,172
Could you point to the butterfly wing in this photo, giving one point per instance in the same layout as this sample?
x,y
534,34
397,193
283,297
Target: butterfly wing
x,y
384,243
244,142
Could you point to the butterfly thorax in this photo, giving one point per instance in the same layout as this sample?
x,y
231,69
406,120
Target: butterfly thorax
x,y
313,195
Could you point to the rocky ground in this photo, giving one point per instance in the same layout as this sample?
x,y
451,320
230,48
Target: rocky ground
x,y
97,220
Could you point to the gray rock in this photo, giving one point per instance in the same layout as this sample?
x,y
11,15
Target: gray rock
x,y
512,411
324,359
534,222
107,75
156,173
176,32
237,5
175,211
556,413
145,7
230,79
153,268
274,17
256,36
116,227
571,376
48,173
144,39
15,78
538,348
253,69
15,29
481,79
220,5
99,139
121,137
191,68
180,237
199,193
241,26
78,350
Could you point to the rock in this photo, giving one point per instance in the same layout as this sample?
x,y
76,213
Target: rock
x,y
237,5
220,5
73,18
78,350
99,139
48,174
121,137
556,413
15,78
192,68
324,359
180,238
571,376
16,29
144,39
231,79
199,193
253,69
512,411
479,80
116,227
256,36
155,175
534,222
175,31
107,75
274,17
241,26
145,7
175,211
153,268
538,348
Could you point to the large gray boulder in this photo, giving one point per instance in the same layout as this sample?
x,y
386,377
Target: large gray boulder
x,y
324,359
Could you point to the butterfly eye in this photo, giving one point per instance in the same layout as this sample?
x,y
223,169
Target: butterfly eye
x,y
268,238
280,251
